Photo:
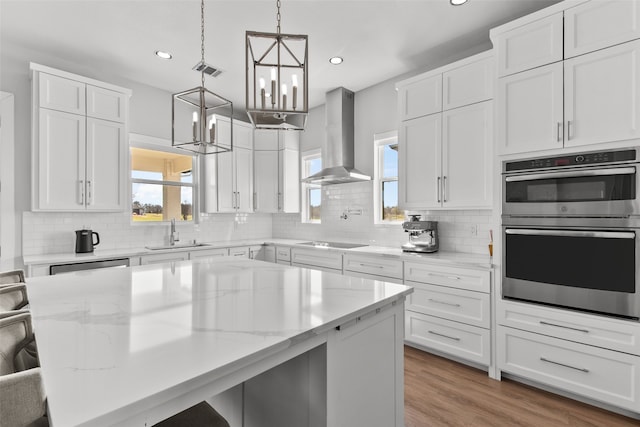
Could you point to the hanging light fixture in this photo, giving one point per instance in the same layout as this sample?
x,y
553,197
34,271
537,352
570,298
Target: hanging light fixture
x,y
283,59
193,113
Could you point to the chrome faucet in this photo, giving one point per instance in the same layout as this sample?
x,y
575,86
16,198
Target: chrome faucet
x,y
173,236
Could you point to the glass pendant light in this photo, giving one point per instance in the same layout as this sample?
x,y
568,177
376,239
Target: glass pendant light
x,y
193,114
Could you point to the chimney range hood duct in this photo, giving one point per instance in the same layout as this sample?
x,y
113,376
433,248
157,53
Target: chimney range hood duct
x,y
337,149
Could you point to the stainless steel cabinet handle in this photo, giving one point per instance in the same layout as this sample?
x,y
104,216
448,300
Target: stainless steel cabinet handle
x,y
444,275
444,302
444,189
569,122
559,132
542,322
370,265
279,199
572,233
444,336
255,201
89,197
564,364
81,192
438,189
237,200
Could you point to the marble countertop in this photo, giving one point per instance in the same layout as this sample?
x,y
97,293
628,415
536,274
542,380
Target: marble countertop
x,y
441,257
115,341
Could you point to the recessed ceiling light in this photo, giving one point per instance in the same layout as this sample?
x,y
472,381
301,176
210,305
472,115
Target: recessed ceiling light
x,y
457,2
163,55
336,60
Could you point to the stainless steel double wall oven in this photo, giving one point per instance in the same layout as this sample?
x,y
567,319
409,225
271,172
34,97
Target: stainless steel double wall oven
x,y
571,231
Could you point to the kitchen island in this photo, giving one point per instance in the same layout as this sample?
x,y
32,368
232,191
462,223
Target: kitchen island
x,y
267,344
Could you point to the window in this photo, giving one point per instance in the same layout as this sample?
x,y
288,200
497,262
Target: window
x,y
162,184
386,179
311,193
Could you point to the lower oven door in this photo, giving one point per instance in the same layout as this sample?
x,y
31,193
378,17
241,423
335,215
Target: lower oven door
x,y
590,270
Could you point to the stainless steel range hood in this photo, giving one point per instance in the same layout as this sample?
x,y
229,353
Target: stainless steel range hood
x,y
338,146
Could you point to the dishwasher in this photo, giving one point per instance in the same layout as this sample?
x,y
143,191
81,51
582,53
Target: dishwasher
x,y
81,266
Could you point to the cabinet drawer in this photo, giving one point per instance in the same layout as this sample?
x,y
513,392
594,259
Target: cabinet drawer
x,y
603,375
460,340
375,265
58,93
613,334
599,24
530,45
106,104
208,253
464,306
316,258
455,277
283,254
468,84
420,97
241,252
166,257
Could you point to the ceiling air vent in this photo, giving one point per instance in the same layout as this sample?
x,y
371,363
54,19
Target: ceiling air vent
x,y
210,70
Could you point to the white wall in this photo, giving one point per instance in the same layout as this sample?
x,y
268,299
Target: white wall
x,y
9,234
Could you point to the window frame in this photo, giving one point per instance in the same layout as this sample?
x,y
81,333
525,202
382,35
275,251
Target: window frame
x,y
305,158
147,142
380,140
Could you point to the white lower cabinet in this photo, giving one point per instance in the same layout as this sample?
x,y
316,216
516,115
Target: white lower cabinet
x,y
208,253
455,338
283,255
373,266
320,259
164,257
608,376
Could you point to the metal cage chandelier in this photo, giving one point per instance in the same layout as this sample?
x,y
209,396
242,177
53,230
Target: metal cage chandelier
x,y
283,60
193,114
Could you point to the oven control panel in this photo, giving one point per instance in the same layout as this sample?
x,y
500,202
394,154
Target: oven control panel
x,y
593,158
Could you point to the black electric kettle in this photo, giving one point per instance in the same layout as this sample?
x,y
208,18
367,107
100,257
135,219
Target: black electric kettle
x,y
84,241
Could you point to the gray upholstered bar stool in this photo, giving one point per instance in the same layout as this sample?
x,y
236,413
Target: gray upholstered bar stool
x,y
13,296
14,276
201,415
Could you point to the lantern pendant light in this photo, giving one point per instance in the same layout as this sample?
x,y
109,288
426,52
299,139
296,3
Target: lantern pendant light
x,y
283,60
194,111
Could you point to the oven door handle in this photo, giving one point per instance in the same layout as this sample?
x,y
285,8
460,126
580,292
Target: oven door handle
x,y
571,174
572,233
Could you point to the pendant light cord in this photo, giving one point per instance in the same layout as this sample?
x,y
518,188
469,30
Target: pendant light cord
x,y
202,39
278,15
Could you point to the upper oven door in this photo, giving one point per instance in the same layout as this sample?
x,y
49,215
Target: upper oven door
x,y
580,192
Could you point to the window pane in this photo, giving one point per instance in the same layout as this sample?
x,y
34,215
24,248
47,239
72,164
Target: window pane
x,y
315,165
160,165
390,161
156,202
390,210
315,198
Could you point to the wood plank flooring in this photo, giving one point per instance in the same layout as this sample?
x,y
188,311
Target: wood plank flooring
x,y
440,392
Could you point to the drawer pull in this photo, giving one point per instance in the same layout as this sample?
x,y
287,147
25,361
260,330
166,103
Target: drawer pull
x,y
542,322
564,364
370,265
444,275
444,336
444,302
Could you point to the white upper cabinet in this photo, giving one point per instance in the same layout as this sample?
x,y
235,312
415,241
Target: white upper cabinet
x,y
445,158
79,144
266,180
529,105
106,104
61,94
602,95
599,24
419,97
531,45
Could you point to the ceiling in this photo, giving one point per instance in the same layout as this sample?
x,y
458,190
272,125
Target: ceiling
x,y
378,39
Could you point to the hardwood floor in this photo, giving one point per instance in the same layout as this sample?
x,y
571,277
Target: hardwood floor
x,y
440,392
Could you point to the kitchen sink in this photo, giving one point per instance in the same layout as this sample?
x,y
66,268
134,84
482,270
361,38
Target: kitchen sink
x,y
177,246
335,245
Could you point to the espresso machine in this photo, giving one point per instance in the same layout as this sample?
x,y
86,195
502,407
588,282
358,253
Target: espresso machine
x,y
423,235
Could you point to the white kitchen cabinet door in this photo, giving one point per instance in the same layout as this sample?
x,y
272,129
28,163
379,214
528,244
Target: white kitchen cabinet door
x,y
530,110
225,181
266,181
242,135
208,254
598,24
602,95
420,97
531,45
265,139
106,104
173,256
289,181
106,163
61,161
468,84
243,164
61,94
467,156
419,162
